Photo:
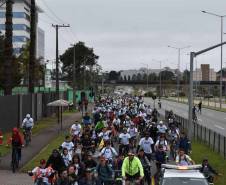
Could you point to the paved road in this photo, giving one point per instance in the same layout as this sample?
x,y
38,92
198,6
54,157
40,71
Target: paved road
x,y
8,178
211,119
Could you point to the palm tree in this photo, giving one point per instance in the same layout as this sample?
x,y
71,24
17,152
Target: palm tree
x,y
32,58
8,48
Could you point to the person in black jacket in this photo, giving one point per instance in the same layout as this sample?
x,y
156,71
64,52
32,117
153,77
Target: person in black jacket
x,y
208,171
56,161
90,162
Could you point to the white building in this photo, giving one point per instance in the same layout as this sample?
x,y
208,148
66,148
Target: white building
x,y
143,71
21,27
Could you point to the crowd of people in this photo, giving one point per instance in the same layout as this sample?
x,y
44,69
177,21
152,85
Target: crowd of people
x,y
120,141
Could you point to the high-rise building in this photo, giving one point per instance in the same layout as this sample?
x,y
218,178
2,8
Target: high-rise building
x,y
205,73
21,27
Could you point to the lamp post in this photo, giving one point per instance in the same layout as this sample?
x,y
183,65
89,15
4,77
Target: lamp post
x,y
221,73
178,78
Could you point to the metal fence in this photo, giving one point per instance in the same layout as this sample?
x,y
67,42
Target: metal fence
x,y
214,140
14,108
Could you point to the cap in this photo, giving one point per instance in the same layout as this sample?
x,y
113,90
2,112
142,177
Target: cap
x,y
42,161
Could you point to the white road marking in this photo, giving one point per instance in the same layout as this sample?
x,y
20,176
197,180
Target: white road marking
x,y
217,126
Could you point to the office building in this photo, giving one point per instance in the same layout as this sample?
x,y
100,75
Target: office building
x,y
21,27
205,73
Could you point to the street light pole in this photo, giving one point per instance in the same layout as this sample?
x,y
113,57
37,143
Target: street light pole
x,y
221,72
178,72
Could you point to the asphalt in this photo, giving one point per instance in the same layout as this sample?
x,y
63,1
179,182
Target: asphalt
x,y
214,120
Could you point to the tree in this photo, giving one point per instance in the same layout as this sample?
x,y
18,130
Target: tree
x,y
186,76
167,75
39,68
32,56
8,49
84,56
152,77
134,77
113,75
16,68
139,77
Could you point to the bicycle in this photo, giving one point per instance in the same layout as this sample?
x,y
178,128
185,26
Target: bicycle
x,y
15,159
27,136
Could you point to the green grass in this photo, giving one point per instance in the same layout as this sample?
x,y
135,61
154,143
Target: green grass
x,y
201,151
44,153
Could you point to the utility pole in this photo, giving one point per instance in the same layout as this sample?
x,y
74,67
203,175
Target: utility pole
x,y
57,26
8,48
32,56
74,96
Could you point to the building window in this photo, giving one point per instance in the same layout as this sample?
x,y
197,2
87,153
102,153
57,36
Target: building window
x,y
16,27
17,15
20,39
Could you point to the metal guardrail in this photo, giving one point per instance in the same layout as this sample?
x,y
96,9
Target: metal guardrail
x,y
202,134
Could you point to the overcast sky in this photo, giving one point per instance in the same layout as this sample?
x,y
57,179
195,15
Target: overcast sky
x,y
127,33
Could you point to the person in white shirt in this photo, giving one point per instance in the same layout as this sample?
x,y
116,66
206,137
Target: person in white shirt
x,y
41,173
161,128
66,157
124,140
108,152
76,129
28,122
163,142
132,130
146,143
68,144
105,134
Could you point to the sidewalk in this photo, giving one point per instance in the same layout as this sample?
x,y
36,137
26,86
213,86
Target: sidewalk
x,y
39,141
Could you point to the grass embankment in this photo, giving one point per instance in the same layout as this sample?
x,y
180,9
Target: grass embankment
x,y
201,151
44,153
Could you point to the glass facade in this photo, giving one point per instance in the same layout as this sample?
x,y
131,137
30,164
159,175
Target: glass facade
x,y
17,27
20,39
22,15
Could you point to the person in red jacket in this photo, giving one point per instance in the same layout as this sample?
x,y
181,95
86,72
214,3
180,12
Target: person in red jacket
x,y
17,141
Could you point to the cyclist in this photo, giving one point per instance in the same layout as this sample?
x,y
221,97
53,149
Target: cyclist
x,y
161,128
160,104
16,143
132,169
146,165
146,143
68,144
41,174
104,172
27,125
132,130
208,171
184,143
76,132
86,119
194,116
183,160
108,152
124,139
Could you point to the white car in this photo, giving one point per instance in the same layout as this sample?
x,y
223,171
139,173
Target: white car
x,y
182,175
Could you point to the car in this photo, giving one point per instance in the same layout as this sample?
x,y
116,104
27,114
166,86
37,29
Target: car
x,y
179,175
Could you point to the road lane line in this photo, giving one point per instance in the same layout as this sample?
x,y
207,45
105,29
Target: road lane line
x,y
217,126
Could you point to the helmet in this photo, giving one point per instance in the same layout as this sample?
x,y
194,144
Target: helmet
x,y
161,122
28,116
